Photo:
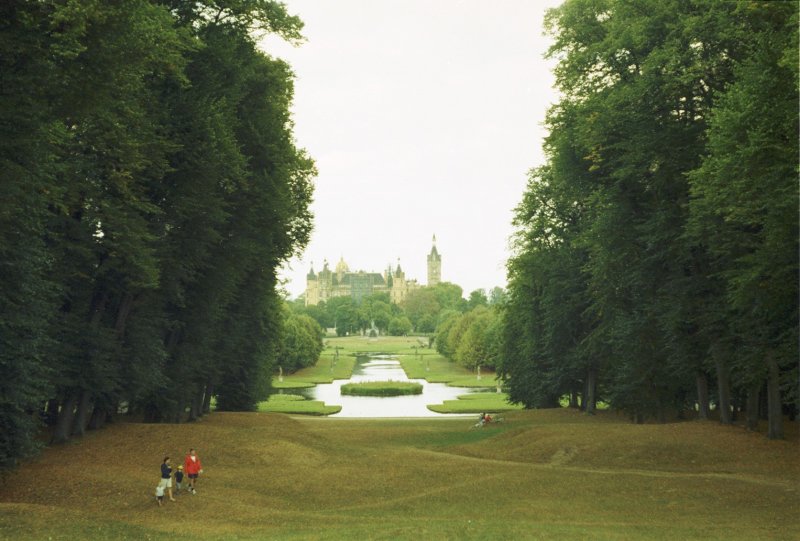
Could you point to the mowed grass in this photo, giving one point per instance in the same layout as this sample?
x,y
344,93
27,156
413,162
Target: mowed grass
x,y
433,367
476,403
326,369
549,474
381,344
297,405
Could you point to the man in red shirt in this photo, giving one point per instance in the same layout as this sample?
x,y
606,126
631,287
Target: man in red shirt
x,y
193,468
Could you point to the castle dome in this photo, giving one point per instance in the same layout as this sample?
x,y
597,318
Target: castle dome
x,y
341,266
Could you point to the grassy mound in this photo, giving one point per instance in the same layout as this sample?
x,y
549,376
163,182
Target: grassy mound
x,y
382,388
298,405
476,403
545,474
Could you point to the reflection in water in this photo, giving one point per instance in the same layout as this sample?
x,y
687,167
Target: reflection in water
x,y
384,368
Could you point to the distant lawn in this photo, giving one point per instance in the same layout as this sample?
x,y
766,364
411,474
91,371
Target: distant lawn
x,y
295,404
435,368
476,403
327,369
381,388
381,344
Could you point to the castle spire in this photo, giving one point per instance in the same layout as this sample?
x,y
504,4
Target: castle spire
x,y
434,265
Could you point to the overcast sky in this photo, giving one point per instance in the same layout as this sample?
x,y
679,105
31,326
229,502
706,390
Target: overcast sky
x,y
423,118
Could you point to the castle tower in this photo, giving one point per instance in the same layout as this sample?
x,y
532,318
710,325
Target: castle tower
x,y
434,265
341,269
312,288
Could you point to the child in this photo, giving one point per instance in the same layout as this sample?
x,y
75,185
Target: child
x,y
179,480
160,495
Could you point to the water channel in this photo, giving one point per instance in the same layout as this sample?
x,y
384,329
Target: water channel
x,y
385,368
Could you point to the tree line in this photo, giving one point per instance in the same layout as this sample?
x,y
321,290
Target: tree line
x,y
151,187
656,253
420,312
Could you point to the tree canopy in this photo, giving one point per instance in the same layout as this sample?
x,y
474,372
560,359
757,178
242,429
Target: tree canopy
x,y
657,248
151,186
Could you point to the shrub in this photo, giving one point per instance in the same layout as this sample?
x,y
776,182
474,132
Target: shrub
x,y
382,388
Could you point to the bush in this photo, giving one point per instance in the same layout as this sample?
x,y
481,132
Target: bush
x,y
382,388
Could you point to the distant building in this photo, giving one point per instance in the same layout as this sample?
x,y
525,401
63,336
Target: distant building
x,y
434,265
327,284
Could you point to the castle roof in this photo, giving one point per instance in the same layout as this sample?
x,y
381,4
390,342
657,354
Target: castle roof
x,y
375,278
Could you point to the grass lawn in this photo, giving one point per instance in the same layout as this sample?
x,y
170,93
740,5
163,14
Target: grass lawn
x,y
433,367
476,403
382,344
327,369
541,475
295,404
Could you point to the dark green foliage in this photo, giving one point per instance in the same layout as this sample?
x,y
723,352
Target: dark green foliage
x,y
658,246
151,188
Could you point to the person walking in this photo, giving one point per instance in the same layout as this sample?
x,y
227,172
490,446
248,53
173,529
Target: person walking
x,y
166,478
193,468
179,480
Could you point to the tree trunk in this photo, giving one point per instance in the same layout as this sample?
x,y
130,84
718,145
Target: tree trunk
x,y
573,399
702,396
98,308
591,391
752,406
98,418
775,413
82,414
207,398
192,410
724,386
122,314
195,409
152,414
65,416
51,412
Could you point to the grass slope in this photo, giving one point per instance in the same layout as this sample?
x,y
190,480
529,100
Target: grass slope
x,y
540,475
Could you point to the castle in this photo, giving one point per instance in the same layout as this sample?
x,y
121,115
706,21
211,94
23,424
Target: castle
x,y
322,286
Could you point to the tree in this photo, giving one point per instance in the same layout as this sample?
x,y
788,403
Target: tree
x,y
477,298
400,326
611,288
151,188
449,296
744,208
497,296
421,306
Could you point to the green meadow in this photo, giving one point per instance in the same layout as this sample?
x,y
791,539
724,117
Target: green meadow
x,y
540,475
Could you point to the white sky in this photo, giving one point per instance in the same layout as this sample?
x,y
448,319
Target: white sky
x,y
423,117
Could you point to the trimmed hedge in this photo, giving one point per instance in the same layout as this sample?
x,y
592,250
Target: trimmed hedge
x,y
382,388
